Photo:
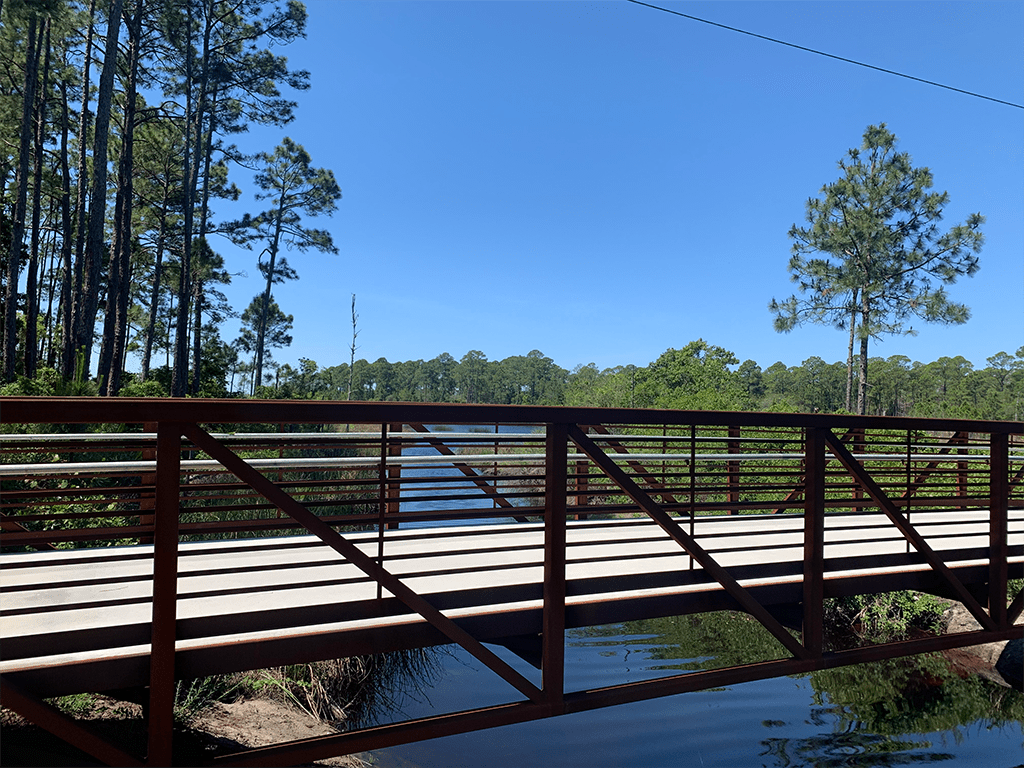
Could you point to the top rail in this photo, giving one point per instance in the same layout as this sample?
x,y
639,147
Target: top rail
x,y
90,410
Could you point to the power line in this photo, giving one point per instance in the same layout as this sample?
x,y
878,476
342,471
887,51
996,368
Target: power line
x,y
822,53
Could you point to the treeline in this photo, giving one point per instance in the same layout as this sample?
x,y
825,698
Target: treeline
x,y
116,118
699,376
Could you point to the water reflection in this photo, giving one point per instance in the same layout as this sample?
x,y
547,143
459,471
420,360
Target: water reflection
x,y
849,749
917,694
875,713
690,643
916,711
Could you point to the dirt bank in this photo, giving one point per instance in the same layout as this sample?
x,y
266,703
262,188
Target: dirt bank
x,y
220,729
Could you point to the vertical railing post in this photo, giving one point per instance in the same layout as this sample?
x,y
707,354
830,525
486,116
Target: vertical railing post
x,y
998,548
394,477
910,482
693,487
553,633
858,444
814,540
382,500
733,472
962,489
147,498
582,486
165,593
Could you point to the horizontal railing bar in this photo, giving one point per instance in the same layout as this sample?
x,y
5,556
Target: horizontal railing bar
x,y
413,438
141,467
271,437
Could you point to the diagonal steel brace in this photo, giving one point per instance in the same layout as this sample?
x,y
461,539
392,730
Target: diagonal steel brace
x,y
235,464
856,469
62,726
698,553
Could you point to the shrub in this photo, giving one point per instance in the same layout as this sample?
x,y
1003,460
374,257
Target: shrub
x,y
886,616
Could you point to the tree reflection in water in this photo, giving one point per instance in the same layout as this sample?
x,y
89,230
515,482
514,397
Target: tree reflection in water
x,y
849,749
892,712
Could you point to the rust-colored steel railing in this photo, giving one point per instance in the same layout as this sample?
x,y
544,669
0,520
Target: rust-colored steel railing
x,y
198,472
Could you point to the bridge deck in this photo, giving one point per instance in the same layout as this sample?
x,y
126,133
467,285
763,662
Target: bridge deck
x,y
73,619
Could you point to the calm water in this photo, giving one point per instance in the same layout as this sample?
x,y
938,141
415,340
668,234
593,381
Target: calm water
x,y
897,713
791,721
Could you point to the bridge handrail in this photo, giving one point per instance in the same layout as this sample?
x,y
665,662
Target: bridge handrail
x,y
88,410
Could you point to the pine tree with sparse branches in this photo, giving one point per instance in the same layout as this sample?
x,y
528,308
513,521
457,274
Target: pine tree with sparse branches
x,y
872,256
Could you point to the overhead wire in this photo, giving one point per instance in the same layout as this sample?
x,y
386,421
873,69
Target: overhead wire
x,y
823,53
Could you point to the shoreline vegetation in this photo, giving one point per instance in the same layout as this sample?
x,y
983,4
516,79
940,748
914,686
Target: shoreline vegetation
x,y
227,713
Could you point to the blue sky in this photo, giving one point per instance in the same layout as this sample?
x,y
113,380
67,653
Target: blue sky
x,y
601,181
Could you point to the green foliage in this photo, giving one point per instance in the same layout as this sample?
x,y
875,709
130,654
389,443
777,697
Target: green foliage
x,y
48,383
696,377
148,388
294,188
76,704
191,697
350,692
885,616
1013,588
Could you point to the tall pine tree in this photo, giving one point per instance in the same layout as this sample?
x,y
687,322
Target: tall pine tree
x,y
872,253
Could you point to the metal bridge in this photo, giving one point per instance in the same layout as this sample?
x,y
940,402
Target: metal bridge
x,y
198,537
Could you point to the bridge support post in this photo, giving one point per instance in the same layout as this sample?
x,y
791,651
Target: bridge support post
x,y
553,634
999,491
814,541
165,594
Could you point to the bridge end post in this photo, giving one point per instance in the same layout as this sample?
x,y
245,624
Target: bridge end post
x,y
553,634
814,541
999,492
165,594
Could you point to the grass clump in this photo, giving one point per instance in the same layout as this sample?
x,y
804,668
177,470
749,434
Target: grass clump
x,y
345,693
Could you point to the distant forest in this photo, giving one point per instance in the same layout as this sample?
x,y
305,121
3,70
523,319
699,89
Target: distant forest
x,y
697,376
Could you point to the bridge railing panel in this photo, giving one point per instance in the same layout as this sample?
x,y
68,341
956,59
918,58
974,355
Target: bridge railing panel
x,y
165,478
